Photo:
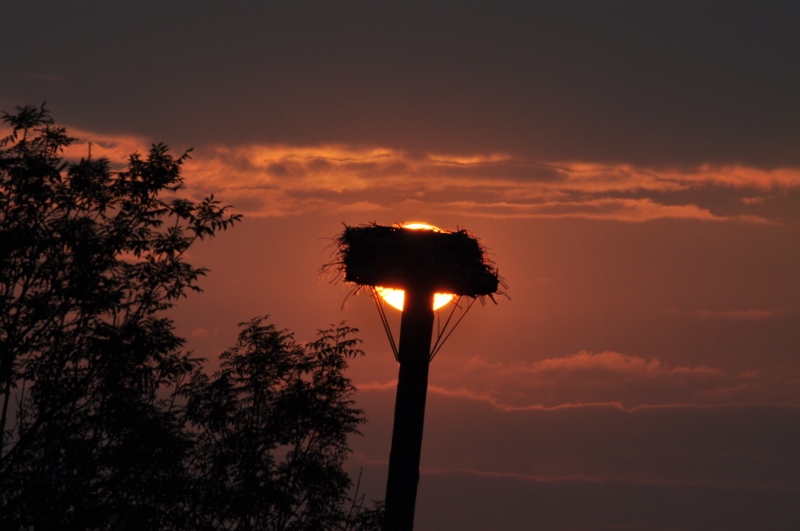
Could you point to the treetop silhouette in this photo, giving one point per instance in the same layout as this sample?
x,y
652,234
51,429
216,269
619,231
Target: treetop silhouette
x,y
107,422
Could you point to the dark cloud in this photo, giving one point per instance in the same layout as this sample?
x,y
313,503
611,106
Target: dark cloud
x,y
650,82
514,504
662,468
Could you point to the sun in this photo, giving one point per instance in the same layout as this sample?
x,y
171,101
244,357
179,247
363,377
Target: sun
x,y
396,297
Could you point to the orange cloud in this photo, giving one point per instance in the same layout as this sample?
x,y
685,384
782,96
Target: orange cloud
x,y
617,478
116,148
283,180
602,380
616,362
631,210
331,178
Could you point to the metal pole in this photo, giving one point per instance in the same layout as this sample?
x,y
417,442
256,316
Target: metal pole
x,y
416,328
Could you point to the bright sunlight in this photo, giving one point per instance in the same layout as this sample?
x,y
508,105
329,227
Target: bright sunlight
x,y
396,297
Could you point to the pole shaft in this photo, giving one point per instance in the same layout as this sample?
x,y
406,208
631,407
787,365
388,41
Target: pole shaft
x,y
416,328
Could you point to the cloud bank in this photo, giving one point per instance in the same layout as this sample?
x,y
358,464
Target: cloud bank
x,y
606,380
283,180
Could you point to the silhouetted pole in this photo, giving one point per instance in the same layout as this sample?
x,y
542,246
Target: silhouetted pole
x,y
416,329
421,261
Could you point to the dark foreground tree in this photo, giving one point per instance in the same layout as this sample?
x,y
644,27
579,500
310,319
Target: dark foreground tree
x,y
94,381
89,260
272,428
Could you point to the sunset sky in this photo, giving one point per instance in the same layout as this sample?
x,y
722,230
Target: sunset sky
x,y
633,169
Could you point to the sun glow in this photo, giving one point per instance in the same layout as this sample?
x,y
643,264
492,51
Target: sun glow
x,y
396,297
420,225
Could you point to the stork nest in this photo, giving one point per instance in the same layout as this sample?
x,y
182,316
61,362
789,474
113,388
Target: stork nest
x,y
401,258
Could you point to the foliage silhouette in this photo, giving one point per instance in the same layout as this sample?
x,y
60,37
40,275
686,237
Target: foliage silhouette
x,y
273,425
93,379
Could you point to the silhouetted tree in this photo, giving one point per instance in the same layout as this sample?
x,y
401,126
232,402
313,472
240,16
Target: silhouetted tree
x,y
106,422
272,427
89,366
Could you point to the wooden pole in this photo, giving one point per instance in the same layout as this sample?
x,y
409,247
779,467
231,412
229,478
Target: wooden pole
x,y
416,329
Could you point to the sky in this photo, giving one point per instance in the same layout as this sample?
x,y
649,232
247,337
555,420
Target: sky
x,y
632,168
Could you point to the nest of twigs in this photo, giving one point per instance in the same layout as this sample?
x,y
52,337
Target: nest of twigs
x,y
402,258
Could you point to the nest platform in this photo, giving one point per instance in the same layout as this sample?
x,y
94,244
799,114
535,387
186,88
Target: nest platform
x,y
403,258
